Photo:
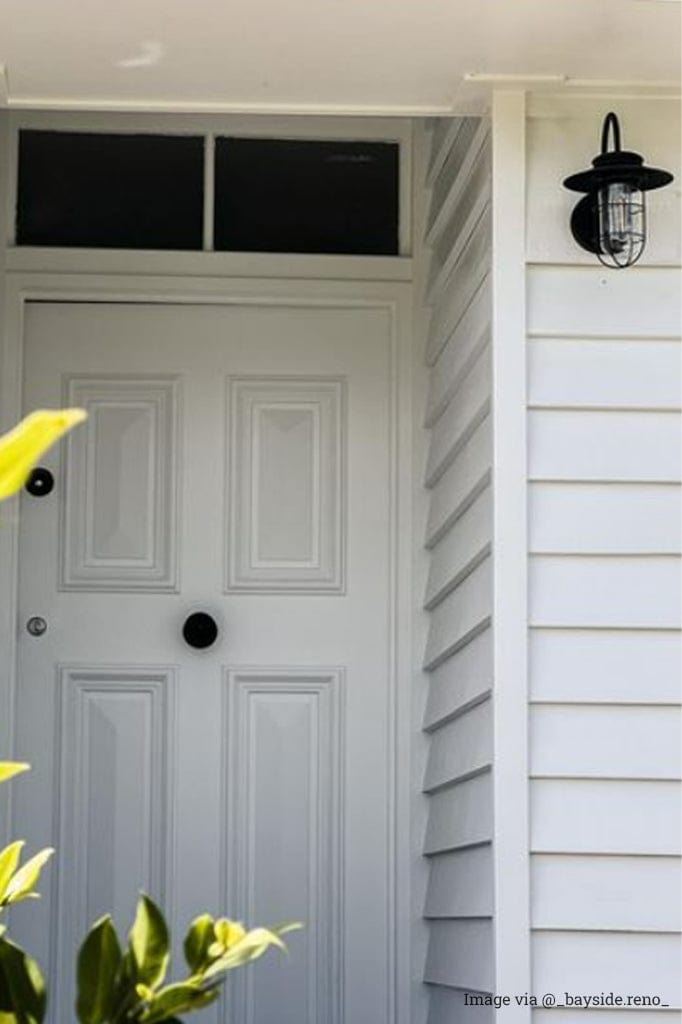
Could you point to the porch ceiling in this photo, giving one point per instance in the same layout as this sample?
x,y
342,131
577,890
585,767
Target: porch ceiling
x,y
383,56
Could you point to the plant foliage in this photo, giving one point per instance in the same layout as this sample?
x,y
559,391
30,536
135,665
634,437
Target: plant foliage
x,y
117,985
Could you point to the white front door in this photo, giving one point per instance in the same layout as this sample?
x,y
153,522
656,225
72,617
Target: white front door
x,y
236,462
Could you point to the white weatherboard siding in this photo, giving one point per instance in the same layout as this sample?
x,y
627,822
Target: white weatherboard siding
x,y
459,593
604,467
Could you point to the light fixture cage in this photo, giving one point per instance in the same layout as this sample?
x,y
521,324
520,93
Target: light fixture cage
x,y
621,211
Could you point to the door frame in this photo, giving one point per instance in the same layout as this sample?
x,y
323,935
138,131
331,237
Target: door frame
x,y
396,298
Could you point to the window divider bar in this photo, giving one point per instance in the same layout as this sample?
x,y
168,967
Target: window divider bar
x,y
209,190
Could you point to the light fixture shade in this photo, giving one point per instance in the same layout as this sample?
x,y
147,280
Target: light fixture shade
x,y
610,221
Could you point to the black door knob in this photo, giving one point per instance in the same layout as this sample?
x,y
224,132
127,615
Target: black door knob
x,y
40,482
200,630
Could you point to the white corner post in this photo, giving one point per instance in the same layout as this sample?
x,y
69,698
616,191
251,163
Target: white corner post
x,y
510,617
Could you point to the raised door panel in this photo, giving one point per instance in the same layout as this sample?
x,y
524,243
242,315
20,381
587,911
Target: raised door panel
x,y
113,787
118,521
287,440
283,841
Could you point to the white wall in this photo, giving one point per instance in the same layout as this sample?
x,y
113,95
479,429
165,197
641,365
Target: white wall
x,y
458,660
604,543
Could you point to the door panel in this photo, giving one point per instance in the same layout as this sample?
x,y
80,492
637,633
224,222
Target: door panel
x,y
296,717
236,460
119,525
113,769
288,441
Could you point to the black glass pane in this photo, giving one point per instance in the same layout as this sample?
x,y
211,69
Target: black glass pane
x,y
279,195
110,191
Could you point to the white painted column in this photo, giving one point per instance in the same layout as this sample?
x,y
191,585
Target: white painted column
x,y
511,854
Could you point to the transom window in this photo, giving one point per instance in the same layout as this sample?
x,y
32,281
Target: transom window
x,y
144,191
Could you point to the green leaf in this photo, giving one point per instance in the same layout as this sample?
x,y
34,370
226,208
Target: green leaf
x,y
149,943
99,960
9,859
197,942
182,997
6,1003
25,880
23,982
8,769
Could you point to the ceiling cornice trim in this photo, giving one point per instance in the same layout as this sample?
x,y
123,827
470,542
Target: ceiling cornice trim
x,y
472,95
476,89
143,106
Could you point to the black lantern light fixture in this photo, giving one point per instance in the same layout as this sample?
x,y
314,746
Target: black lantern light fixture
x,y
610,220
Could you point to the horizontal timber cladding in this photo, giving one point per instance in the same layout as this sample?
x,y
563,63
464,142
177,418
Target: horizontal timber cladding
x,y
615,519
460,550
595,816
605,666
605,538
584,741
461,884
602,591
461,953
619,962
611,447
592,374
460,816
591,1016
459,591
462,680
591,302
607,893
460,484
449,1006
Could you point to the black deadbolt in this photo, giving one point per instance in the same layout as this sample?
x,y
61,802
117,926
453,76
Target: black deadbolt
x,y
200,630
40,482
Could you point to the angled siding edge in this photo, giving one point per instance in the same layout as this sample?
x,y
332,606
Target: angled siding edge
x,y
458,662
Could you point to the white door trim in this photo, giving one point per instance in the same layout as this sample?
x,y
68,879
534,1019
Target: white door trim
x,y
396,299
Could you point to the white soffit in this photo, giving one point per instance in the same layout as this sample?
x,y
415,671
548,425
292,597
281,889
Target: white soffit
x,y
398,57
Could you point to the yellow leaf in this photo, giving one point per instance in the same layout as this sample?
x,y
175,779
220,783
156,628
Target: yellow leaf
x,y
227,933
22,884
9,860
21,448
8,769
251,946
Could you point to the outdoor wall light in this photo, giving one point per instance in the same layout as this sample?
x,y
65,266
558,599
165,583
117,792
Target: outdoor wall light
x,y
611,219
